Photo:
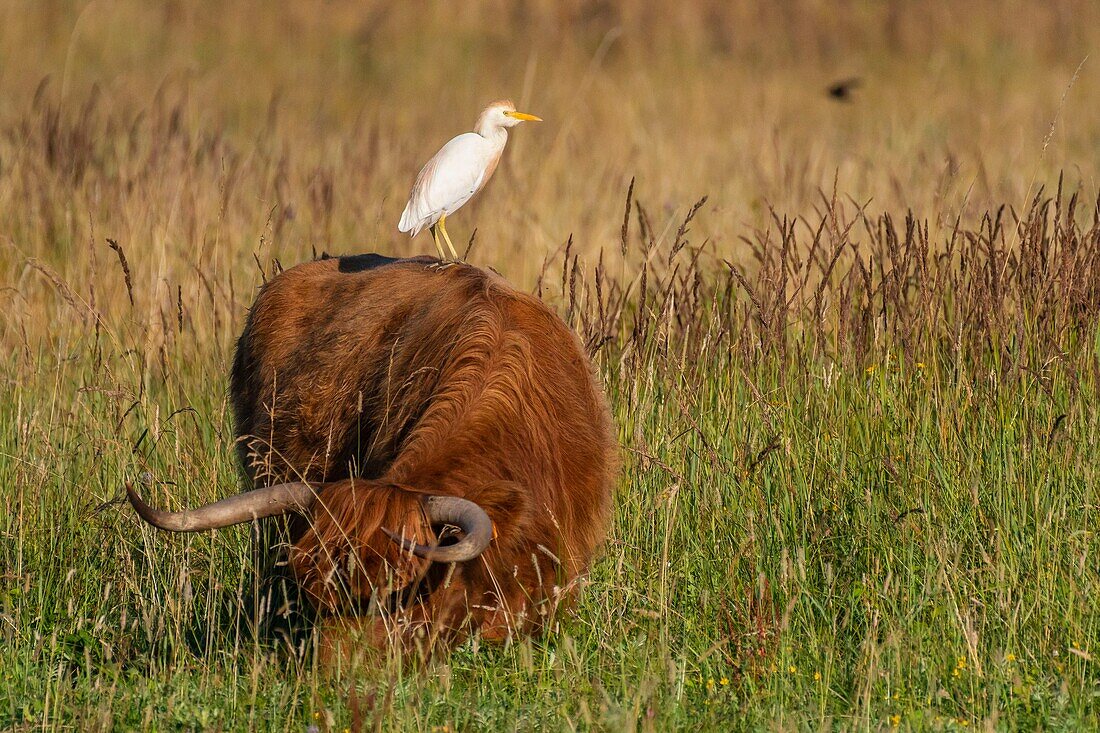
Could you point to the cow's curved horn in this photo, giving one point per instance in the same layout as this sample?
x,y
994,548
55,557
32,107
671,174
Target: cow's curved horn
x,y
464,514
256,504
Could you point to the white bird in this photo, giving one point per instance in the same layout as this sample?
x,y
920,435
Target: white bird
x,y
460,169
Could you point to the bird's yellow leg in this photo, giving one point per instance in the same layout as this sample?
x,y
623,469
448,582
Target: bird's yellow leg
x,y
447,239
438,246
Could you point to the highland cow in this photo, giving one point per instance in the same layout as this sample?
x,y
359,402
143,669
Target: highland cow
x,y
438,438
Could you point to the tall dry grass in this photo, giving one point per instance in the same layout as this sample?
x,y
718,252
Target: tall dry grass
x,y
202,139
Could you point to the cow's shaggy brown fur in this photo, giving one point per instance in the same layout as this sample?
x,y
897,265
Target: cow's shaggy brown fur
x,y
384,381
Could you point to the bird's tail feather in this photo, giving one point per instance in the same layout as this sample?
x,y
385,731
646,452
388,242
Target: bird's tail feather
x,y
407,221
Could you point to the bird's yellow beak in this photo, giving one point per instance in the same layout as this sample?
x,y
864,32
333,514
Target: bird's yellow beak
x,y
523,116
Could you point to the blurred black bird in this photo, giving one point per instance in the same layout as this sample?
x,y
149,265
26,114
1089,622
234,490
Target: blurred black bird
x,y
842,90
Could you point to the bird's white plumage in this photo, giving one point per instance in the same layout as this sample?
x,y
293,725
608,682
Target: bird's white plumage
x,y
450,179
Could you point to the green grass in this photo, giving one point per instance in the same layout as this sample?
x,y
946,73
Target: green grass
x,y
918,547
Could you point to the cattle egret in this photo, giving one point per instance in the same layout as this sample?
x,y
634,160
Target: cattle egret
x,y
460,169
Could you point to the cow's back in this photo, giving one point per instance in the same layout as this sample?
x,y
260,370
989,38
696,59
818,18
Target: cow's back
x,y
336,346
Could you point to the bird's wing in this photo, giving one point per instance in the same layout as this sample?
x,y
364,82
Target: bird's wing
x,y
447,181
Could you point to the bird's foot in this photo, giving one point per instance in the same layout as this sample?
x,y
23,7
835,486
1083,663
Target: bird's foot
x,y
442,265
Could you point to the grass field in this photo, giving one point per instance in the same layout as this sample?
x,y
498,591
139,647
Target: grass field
x,y
855,387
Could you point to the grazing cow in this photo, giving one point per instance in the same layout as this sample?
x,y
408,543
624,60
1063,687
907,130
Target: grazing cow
x,y
438,436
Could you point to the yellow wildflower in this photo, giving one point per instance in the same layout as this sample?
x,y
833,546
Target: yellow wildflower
x,y
895,720
817,676
724,681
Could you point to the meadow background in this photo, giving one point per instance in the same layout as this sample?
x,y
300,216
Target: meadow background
x,y
855,386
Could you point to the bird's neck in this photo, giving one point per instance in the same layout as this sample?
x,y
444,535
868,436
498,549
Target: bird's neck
x,y
493,133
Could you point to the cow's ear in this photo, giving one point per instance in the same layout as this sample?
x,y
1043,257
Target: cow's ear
x,y
510,507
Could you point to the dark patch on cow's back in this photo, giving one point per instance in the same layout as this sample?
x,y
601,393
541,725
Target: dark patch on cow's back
x,y
359,263
371,261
